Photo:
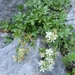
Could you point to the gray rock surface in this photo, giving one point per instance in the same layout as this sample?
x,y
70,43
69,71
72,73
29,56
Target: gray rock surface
x,y
29,66
71,15
2,44
8,8
2,35
72,2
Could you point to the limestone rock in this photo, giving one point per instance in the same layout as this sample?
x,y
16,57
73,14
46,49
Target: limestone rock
x,y
71,15
2,35
8,8
2,44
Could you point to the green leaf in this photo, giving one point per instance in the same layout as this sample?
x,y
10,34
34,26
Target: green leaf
x,y
32,22
20,7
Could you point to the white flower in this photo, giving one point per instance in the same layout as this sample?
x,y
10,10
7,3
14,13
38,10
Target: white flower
x,y
51,36
50,67
42,69
46,66
50,60
48,35
41,63
49,52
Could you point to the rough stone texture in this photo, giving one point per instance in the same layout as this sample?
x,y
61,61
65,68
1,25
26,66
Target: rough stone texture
x,y
71,15
2,44
8,8
2,35
29,66
72,2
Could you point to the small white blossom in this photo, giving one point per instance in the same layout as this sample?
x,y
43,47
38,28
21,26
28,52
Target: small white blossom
x,y
48,62
51,36
41,63
50,67
49,52
48,35
42,69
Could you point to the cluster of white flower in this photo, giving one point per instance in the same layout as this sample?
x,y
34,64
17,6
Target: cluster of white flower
x,y
49,52
48,62
49,58
42,65
51,36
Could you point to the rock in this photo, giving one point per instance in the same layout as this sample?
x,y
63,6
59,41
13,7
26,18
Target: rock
x,y
29,66
2,44
71,22
72,2
8,8
71,15
3,34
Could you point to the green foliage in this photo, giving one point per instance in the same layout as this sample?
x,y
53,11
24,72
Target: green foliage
x,y
20,7
38,19
59,5
69,58
68,73
73,72
8,39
